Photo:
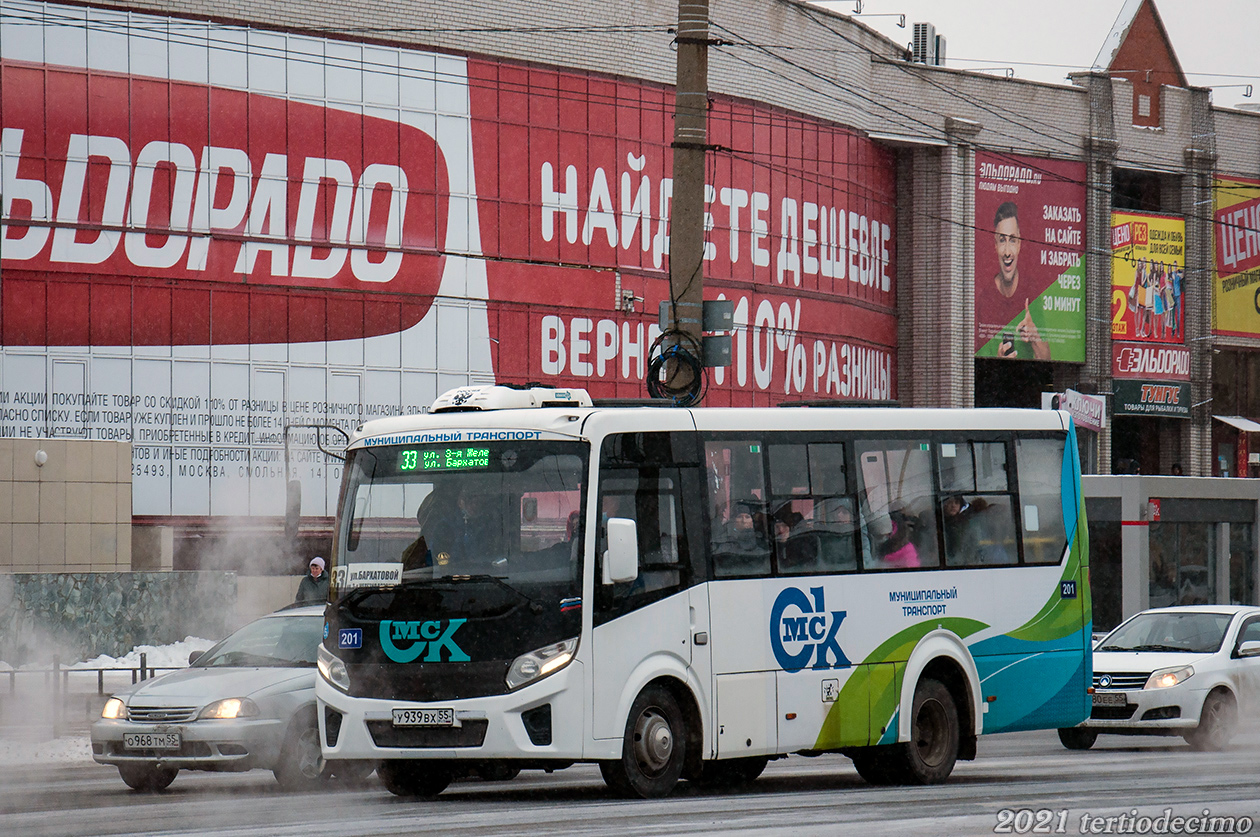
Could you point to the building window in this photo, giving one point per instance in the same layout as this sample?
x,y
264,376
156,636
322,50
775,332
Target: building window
x,y
1144,105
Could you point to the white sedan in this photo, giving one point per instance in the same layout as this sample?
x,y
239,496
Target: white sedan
x,y
1187,671
247,702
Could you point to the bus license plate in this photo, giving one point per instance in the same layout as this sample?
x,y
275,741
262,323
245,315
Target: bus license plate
x,y
1110,699
151,740
424,717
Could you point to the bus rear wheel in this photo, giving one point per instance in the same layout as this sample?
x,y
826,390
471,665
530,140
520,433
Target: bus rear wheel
x,y
653,750
874,766
413,777
928,757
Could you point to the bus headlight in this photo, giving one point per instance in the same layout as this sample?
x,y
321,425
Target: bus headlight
x,y
529,667
332,668
1166,677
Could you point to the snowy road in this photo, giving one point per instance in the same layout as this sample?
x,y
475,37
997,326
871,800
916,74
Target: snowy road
x,y
69,795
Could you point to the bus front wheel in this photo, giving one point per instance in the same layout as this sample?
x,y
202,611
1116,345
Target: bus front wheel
x,y
653,750
928,757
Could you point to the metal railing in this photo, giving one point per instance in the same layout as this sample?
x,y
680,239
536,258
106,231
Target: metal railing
x,y
59,676
56,682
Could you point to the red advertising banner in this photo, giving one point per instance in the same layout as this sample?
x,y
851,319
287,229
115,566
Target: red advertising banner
x,y
172,213
1159,363
211,233
1030,258
174,198
800,219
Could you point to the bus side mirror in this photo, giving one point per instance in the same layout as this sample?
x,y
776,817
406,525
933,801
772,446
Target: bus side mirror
x,y
621,559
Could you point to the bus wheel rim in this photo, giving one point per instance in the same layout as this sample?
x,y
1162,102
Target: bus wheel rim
x,y
929,737
653,741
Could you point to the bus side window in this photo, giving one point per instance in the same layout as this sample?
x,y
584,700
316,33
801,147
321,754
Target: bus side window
x,y
811,510
739,540
1041,497
977,512
898,503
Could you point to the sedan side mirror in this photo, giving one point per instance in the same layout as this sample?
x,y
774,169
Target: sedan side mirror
x,y
194,655
1250,648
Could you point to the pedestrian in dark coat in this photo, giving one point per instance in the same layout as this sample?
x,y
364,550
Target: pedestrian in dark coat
x,y
314,586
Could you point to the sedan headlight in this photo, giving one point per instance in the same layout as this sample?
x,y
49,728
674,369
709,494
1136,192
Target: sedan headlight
x,y
1166,677
332,668
114,709
540,663
231,708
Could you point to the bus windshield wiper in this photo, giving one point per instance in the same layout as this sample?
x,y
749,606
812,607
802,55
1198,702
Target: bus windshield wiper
x,y
499,580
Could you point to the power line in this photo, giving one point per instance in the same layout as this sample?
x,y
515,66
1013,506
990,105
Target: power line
x,y
163,33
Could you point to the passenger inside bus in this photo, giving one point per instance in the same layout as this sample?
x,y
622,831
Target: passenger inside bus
x,y
976,532
834,526
796,545
898,549
739,546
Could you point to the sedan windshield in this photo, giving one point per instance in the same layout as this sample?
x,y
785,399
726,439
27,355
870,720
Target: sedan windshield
x,y
285,641
1199,633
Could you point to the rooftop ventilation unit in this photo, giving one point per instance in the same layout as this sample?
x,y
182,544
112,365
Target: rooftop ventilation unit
x,y
928,47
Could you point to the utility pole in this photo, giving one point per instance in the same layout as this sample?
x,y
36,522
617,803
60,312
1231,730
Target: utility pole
x,y
686,239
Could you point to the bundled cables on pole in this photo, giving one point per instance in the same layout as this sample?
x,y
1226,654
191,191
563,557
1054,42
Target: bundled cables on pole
x,y
684,353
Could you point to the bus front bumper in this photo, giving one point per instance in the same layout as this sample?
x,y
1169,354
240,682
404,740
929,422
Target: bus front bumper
x,y
542,721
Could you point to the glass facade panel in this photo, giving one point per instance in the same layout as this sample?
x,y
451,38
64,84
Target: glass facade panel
x,y
1242,564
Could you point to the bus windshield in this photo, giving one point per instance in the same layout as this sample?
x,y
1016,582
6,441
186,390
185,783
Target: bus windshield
x,y
508,512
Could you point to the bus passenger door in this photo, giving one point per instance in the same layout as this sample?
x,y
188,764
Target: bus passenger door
x,y
644,628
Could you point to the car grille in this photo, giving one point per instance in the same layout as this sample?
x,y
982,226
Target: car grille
x,y
161,714
187,750
1122,681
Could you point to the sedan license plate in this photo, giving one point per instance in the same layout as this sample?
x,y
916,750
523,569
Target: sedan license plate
x,y
1110,699
424,717
151,740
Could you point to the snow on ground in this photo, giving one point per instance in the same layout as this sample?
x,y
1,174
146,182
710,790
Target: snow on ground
x,y
174,655
26,733
67,751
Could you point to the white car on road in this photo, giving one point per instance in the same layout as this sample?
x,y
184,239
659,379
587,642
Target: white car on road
x,y
1188,671
247,702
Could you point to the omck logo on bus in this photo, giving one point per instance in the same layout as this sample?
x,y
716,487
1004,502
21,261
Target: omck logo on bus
x,y
404,642
803,633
